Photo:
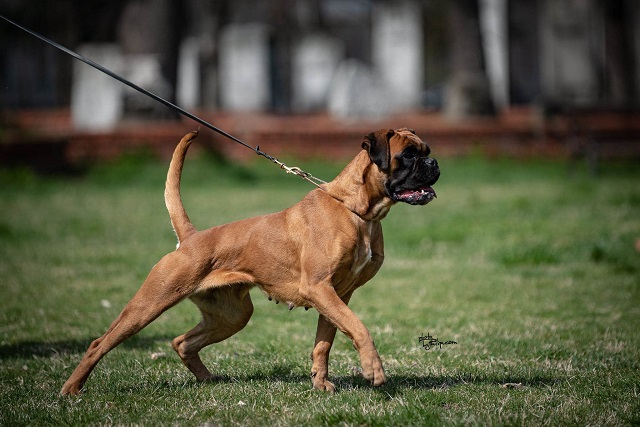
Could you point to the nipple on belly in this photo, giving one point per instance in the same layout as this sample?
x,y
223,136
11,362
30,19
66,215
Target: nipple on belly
x,y
290,305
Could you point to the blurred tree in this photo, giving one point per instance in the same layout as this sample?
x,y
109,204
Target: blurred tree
x,y
467,90
524,52
284,33
619,69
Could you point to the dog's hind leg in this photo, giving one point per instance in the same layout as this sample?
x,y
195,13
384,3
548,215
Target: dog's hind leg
x,y
166,285
225,311
325,335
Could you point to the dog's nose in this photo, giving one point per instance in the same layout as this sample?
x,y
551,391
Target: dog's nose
x,y
431,162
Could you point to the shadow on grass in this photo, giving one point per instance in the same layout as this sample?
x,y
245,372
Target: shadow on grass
x,y
396,386
275,373
53,348
397,383
284,373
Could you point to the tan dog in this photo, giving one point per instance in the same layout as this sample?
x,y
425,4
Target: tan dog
x,y
313,254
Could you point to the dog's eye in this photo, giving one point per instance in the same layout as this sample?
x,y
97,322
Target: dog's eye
x,y
409,154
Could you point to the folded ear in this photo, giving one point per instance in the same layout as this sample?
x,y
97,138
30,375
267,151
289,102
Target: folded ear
x,y
377,145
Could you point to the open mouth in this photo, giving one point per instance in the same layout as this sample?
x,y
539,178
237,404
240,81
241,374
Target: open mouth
x,y
418,196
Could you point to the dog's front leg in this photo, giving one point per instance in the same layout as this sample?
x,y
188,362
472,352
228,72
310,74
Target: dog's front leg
x,y
335,313
325,334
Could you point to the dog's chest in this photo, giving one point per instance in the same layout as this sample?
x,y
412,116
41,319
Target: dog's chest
x,y
362,251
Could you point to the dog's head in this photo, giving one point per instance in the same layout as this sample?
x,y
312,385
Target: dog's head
x,y
404,159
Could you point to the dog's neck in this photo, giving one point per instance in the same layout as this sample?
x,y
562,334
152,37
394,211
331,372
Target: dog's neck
x,y
359,195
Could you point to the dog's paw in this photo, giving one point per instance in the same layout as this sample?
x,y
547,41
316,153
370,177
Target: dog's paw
x,y
210,378
321,383
373,371
324,386
70,389
376,376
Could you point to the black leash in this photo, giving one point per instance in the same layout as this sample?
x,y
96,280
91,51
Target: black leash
x,y
293,170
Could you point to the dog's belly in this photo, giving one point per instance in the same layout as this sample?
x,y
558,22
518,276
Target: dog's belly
x,y
285,293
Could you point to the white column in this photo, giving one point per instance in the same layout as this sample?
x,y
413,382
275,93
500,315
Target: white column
x,y
244,68
97,99
397,48
188,84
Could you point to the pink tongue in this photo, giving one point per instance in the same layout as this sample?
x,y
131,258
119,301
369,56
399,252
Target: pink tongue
x,y
410,192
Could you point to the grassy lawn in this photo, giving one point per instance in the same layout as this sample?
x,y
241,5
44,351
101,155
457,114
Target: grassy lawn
x,y
531,269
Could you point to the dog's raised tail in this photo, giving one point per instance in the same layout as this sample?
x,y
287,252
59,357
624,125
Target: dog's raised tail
x,y
179,219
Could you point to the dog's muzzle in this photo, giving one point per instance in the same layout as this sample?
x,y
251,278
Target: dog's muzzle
x,y
417,189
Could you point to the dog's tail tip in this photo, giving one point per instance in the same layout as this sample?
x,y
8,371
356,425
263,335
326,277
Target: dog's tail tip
x,y
188,138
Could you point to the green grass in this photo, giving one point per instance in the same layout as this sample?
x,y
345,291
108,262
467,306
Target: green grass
x,y
530,269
